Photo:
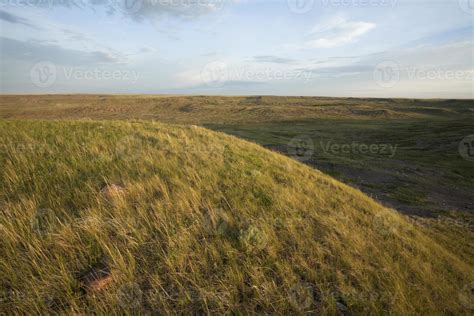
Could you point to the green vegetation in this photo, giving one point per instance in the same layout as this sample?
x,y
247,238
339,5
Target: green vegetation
x,y
226,110
423,135
410,157
105,210
201,222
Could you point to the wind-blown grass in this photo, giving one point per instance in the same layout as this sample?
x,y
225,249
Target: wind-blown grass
x,y
200,222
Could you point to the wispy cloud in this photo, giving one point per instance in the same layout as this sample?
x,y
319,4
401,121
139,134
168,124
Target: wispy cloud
x,y
272,59
31,51
139,10
142,9
338,32
329,50
15,19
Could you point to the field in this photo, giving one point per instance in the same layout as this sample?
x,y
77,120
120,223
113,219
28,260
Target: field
x,y
184,204
415,166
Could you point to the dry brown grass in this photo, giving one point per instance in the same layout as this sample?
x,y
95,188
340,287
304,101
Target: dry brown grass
x,y
216,110
207,223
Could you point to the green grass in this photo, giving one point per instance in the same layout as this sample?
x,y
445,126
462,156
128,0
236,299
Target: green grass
x,y
226,110
425,133
204,223
425,157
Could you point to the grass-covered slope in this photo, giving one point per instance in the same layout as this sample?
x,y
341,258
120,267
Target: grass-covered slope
x,y
146,217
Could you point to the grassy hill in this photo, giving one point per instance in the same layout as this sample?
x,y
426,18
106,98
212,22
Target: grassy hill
x,y
111,217
425,176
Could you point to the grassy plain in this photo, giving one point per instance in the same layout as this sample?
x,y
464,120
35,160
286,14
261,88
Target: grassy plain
x,y
425,175
202,222
143,216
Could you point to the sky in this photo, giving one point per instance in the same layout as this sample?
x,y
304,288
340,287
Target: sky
x,y
349,48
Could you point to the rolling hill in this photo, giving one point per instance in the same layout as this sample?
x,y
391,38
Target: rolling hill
x,y
142,217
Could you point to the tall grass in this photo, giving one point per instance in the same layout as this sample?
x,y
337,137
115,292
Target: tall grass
x,y
141,217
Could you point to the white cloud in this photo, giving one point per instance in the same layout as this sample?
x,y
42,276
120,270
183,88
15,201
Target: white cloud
x,y
338,32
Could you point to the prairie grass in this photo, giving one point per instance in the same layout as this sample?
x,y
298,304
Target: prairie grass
x,y
202,222
225,110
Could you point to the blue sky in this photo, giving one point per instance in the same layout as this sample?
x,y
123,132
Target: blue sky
x,y
360,48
